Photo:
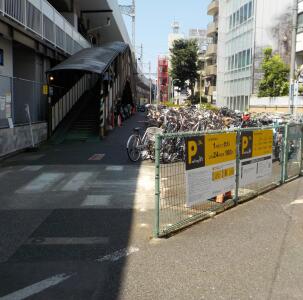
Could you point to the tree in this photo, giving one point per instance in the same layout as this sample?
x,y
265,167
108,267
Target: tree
x,y
275,80
184,63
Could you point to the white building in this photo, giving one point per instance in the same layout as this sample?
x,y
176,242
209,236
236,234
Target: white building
x,y
175,35
246,27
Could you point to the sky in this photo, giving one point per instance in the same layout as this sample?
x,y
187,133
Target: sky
x,y
154,19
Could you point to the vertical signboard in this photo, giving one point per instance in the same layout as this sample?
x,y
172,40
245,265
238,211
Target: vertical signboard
x,y
210,166
255,156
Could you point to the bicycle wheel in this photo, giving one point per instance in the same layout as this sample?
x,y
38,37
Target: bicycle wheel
x,y
132,148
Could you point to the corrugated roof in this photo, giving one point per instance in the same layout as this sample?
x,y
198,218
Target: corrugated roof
x,y
95,60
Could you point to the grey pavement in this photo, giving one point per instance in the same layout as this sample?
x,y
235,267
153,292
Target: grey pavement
x,y
74,228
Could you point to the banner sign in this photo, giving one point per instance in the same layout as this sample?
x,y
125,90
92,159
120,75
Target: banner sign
x,y
255,156
210,166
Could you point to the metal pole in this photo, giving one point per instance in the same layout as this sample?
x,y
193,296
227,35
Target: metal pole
x,y
157,186
134,24
236,199
200,89
293,52
150,84
285,153
173,90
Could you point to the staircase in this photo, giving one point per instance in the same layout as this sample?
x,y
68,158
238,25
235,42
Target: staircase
x,y
86,124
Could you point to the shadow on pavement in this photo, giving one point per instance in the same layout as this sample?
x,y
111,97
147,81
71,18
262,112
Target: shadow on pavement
x,y
56,232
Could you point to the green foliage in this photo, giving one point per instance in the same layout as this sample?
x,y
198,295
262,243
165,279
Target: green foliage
x,y
209,106
275,81
184,63
195,99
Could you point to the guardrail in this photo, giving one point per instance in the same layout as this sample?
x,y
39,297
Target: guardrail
x,y
41,18
217,170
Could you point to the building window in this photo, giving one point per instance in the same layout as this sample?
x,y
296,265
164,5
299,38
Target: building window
x,y
300,22
1,57
250,10
238,17
244,58
248,57
236,61
245,12
241,15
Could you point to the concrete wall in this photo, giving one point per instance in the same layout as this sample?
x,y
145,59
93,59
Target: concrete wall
x,y
6,72
7,68
19,138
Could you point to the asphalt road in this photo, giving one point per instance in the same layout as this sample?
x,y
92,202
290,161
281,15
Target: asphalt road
x,y
74,228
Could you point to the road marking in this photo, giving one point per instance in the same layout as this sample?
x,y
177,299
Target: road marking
x,y
41,183
2,174
114,168
37,287
97,157
300,201
32,168
33,157
67,240
96,200
117,255
77,182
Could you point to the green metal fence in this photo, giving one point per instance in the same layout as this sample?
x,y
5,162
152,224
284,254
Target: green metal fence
x,y
277,165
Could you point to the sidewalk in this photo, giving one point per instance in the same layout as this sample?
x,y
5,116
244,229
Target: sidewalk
x,y
253,251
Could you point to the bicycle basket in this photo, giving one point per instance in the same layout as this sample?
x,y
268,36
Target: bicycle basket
x,y
152,131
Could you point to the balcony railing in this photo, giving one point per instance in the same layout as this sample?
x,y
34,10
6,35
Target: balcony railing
x,y
39,17
211,70
212,28
211,50
213,8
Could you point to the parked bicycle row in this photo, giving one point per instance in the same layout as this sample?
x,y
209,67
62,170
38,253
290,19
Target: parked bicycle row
x,y
161,119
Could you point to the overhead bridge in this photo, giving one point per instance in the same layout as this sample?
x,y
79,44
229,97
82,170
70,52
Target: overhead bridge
x,y
90,87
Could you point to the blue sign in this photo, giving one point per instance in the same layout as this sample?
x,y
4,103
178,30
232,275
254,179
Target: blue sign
x,y
1,58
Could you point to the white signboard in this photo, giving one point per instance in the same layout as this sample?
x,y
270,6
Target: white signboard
x,y
202,184
256,156
256,169
210,166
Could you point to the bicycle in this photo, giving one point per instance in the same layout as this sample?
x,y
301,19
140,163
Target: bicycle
x,y
142,146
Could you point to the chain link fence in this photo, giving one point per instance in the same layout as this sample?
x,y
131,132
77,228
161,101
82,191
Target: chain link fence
x,y
201,174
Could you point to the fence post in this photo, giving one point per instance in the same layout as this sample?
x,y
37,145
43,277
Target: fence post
x,y
237,167
301,146
157,186
285,154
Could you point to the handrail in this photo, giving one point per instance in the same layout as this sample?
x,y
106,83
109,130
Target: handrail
x,y
40,17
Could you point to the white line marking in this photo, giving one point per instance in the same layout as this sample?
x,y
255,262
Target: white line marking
x,y
97,157
114,168
36,287
41,183
96,200
77,182
300,201
33,157
2,174
118,254
67,240
32,168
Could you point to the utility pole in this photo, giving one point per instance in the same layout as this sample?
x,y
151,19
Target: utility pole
x,y
293,54
130,10
150,83
141,56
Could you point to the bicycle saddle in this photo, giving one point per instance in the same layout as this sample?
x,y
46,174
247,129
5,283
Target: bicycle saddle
x,y
137,129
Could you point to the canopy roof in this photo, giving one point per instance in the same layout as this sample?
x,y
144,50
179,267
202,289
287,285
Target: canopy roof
x,y
95,60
